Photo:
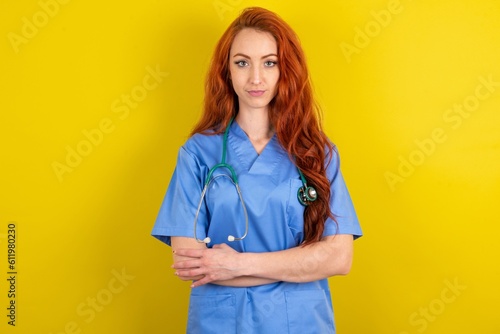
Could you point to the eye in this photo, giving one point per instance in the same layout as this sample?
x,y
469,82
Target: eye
x,y
270,63
241,63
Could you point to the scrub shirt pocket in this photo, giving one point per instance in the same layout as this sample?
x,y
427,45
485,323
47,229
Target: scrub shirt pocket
x,y
295,212
212,314
309,312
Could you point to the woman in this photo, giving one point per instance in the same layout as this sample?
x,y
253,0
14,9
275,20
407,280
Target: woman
x,y
291,223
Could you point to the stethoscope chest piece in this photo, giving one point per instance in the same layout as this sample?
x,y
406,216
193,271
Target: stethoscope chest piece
x,y
306,195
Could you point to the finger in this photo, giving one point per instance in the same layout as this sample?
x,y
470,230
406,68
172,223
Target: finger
x,y
190,278
189,273
189,252
201,282
186,264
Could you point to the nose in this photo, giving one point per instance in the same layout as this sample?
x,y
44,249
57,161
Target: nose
x,y
256,75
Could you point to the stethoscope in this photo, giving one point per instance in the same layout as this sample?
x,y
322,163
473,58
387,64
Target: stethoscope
x,y
305,194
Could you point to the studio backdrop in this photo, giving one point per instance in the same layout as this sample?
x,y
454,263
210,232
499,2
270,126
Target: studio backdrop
x,y
97,97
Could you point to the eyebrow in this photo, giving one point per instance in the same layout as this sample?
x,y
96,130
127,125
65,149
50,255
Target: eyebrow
x,y
248,57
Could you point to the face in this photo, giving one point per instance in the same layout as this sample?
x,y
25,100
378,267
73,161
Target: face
x,y
254,68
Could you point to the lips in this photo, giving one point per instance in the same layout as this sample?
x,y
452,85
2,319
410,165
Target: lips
x,y
256,93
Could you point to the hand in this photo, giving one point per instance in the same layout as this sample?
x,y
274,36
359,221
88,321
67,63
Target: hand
x,y
218,263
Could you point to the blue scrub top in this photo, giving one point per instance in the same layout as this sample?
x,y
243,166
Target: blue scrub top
x,y
269,184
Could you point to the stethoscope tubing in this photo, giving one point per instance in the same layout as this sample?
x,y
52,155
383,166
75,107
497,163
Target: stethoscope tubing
x,y
202,197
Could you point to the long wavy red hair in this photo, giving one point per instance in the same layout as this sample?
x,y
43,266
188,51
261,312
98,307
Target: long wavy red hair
x,y
293,112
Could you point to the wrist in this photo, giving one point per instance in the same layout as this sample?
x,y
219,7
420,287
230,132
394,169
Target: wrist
x,y
246,266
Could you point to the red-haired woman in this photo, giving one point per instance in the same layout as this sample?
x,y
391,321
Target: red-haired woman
x,y
257,212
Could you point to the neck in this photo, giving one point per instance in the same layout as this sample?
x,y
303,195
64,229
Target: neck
x,y
257,127
255,124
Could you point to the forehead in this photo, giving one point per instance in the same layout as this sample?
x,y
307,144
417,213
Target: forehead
x,y
254,42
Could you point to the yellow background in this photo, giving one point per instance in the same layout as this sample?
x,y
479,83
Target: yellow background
x,y
434,226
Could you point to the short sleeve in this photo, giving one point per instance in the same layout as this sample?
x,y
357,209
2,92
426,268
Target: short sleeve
x,y
346,220
178,210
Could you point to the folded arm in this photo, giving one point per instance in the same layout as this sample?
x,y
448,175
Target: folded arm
x,y
183,243
224,266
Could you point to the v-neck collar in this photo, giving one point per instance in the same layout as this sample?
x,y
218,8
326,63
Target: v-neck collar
x,y
252,162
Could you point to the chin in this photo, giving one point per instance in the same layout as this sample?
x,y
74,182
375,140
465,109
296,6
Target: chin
x,y
260,105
